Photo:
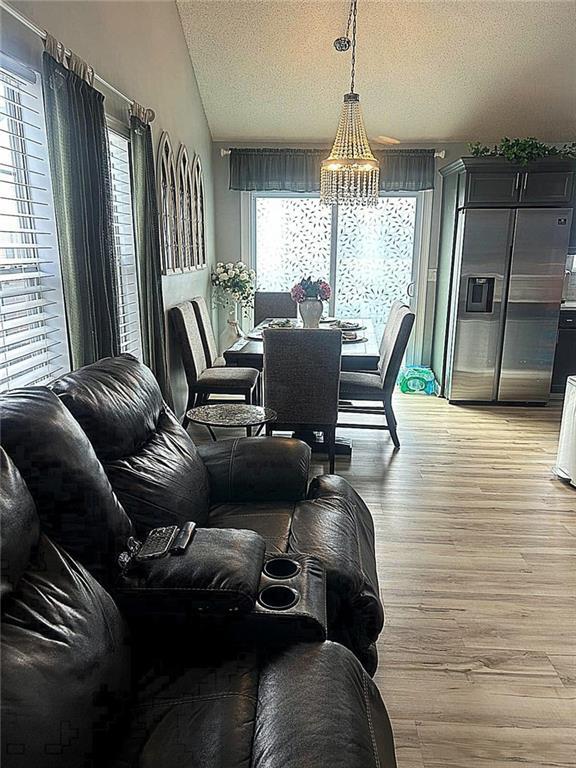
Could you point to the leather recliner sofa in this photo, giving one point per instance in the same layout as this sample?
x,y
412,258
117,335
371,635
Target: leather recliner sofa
x,y
79,690
159,477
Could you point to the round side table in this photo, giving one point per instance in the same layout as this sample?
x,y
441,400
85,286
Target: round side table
x,y
231,415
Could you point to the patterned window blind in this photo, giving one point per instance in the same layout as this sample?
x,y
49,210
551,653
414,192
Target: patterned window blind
x,y
129,311
33,338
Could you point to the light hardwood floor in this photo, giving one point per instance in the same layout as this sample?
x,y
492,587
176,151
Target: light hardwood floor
x,y
476,547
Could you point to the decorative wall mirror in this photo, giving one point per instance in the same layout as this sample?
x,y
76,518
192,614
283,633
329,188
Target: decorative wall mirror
x,y
167,205
198,202
181,209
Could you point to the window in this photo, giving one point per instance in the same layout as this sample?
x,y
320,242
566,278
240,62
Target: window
x,y
367,254
33,339
129,309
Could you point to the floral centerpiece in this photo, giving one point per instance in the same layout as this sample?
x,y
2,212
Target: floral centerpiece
x,y
233,288
234,285
309,295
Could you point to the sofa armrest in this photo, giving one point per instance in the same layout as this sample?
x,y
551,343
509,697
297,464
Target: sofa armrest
x,y
344,725
257,469
218,574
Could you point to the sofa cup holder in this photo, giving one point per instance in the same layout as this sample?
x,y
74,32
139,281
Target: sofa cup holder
x,y
281,568
278,597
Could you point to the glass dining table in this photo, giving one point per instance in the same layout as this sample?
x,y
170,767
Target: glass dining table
x,y
360,354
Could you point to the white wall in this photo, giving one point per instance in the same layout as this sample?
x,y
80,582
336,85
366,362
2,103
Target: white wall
x,y
227,207
139,48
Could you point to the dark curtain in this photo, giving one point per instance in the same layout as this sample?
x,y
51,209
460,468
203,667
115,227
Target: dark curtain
x,y
79,159
287,170
147,240
406,170
298,170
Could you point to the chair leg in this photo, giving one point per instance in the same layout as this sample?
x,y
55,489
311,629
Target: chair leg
x,y
330,438
392,423
268,430
189,405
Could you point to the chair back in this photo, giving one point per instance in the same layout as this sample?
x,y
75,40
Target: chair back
x,y
206,331
273,304
302,374
393,345
190,340
394,309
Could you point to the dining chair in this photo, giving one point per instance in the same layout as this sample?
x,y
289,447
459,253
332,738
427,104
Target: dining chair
x,y
273,304
301,377
213,360
379,386
203,380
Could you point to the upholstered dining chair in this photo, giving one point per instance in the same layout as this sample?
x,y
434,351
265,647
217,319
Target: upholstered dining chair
x,y
301,376
203,380
213,360
273,304
379,386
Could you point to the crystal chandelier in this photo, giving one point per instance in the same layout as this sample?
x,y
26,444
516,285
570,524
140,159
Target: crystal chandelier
x,y
350,175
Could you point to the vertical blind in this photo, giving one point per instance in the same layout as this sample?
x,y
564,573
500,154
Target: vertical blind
x,y
129,313
33,342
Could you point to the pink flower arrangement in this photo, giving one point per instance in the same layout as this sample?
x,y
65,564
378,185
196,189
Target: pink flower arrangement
x,y
310,289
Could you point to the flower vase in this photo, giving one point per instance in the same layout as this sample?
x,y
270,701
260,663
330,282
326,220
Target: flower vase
x,y
311,312
232,330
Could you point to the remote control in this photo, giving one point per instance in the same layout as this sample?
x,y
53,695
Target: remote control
x,y
183,538
158,543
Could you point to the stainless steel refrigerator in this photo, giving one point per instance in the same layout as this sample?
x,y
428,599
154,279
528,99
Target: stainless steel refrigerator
x,y
506,290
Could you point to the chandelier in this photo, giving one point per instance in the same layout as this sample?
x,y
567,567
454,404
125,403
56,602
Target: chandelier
x,y
350,175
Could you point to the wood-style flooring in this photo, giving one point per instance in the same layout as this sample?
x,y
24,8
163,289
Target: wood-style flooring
x,y
476,549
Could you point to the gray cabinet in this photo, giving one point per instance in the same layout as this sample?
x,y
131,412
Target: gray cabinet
x,y
491,187
547,187
493,182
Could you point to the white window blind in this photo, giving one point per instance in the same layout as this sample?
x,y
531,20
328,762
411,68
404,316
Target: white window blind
x,y
33,339
130,337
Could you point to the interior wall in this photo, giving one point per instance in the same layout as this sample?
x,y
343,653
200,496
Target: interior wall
x,y
139,48
228,214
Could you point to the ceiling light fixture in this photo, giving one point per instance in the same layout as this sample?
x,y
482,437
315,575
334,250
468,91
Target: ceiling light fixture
x,y
350,175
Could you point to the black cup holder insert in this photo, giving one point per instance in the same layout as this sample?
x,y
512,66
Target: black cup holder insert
x,y
281,568
278,597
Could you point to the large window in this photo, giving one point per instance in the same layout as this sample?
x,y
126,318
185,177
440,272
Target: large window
x,y
366,253
128,310
33,341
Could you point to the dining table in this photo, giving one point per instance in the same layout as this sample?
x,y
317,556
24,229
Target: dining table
x,y
361,354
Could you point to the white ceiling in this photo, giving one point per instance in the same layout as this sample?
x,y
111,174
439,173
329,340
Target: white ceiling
x,y
427,70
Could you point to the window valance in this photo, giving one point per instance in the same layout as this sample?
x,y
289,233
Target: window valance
x,y
298,170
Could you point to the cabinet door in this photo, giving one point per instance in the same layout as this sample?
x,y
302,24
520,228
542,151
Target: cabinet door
x,y
492,187
547,187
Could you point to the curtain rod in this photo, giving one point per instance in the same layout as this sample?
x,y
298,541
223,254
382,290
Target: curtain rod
x,y
224,152
42,34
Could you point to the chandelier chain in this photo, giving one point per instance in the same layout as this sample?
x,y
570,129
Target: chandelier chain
x,y
353,14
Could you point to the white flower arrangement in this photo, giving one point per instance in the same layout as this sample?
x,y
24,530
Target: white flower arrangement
x,y
233,283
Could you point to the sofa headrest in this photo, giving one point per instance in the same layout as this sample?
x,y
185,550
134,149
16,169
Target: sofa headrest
x,y
19,525
117,401
75,502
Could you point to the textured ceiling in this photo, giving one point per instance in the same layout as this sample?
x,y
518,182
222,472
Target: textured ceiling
x,y
427,71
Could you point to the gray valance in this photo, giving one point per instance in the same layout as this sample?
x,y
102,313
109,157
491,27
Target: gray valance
x,y
285,170
298,170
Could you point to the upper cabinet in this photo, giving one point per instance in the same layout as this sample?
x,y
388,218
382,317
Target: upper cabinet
x,y
490,188
547,187
493,182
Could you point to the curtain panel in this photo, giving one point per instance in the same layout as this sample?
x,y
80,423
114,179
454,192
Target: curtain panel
x,y
147,241
298,170
79,159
